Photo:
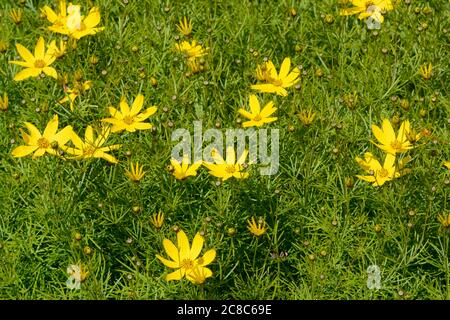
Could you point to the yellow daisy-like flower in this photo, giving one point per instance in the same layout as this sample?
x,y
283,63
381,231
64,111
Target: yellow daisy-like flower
x,y
230,168
136,172
307,117
380,174
276,82
92,147
130,119
257,116
183,170
70,21
47,142
199,275
426,71
389,141
58,52
257,229
35,64
16,15
444,220
185,27
367,8
157,220
447,164
185,258
191,50
72,94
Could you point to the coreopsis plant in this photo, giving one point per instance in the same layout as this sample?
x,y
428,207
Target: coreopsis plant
x,y
35,64
183,169
4,102
274,82
130,119
185,27
227,169
426,71
368,8
157,220
92,147
70,22
57,52
50,141
380,174
257,116
185,258
447,164
257,229
389,141
136,172
191,50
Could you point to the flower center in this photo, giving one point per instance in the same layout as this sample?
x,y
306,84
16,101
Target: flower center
x,y
230,169
257,118
89,151
276,82
128,120
187,264
370,7
383,173
81,27
200,261
396,145
39,63
43,143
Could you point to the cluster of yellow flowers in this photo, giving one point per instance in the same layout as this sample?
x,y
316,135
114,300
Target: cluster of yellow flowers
x,y
392,145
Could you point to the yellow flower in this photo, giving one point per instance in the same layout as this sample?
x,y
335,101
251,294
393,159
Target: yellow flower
x,y
16,15
426,71
444,220
57,52
182,170
191,50
389,142
4,102
185,258
199,275
76,276
70,21
367,8
276,82
72,94
185,27
256,229
307,117
48,142
158,220
447,164
130,119
257,116
380,174
91,147
37,63
136,173
194,66
229,168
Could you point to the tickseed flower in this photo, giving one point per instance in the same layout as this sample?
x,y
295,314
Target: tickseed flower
x,y
157,220
257,229
447,164
4,102
130,119
183,170
191,50
78,89
389,142
380,174
199,275
91,147
367,8
426,71
136,172
229,168
76,276
194,66
70,21
307,117
48,142
37,63
57,52
276,82
444,220
257,116
186,258
185,27
16,15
